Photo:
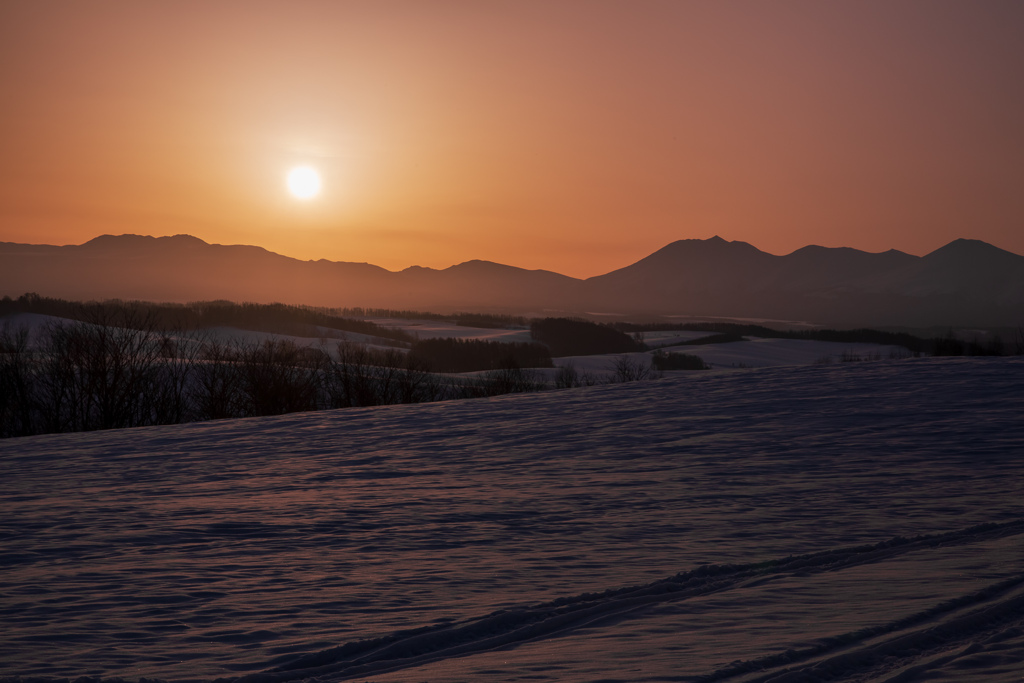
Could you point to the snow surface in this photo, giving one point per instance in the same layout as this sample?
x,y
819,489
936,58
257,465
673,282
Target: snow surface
x,y
757,352
434,329
328,343
619,532
754,353
34,324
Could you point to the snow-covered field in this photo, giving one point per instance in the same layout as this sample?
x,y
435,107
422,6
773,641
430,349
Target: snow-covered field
x,y
753,353
434,329
730,526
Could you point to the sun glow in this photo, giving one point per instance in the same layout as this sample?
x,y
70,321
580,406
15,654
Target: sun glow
x,y
303,182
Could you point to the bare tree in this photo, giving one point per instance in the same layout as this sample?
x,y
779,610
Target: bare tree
x,y
628,369
16,381
217,389
511,379
99,372
277,377
567,377
177,383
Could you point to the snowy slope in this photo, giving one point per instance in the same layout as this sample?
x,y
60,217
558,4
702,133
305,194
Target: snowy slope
x,y
759,352
434,329
555,536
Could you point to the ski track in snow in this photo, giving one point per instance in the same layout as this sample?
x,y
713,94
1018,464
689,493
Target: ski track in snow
x,y
720,526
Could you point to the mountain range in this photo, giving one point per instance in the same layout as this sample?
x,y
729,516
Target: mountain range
x,y
965,283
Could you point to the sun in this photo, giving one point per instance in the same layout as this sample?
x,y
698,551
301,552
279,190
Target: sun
x,y
303,182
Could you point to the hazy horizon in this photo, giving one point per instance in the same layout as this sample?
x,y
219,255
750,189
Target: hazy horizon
x,y
553,269
571,136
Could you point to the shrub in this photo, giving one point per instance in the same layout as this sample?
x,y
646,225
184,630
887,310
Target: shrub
x,y
628,369
678,361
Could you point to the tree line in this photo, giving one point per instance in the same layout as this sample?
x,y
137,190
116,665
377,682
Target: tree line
x,y
470,355
277,318
946,345
485,320
577,337
116,367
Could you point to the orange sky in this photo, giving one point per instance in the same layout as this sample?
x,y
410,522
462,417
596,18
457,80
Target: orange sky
x,y
573,136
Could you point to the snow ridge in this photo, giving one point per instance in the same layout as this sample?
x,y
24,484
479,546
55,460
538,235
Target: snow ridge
x,y
505,628
475,540
915,652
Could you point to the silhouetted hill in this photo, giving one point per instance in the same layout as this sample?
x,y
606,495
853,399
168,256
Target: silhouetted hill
x,y
965,283
815,267
970,265
178,268
688,275
185,268
481,285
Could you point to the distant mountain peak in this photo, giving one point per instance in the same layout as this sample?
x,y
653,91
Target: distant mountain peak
x,y
696,240
184,239
966,240
716,243
964,245
482,267
129,239
966,282
968,248
112,239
